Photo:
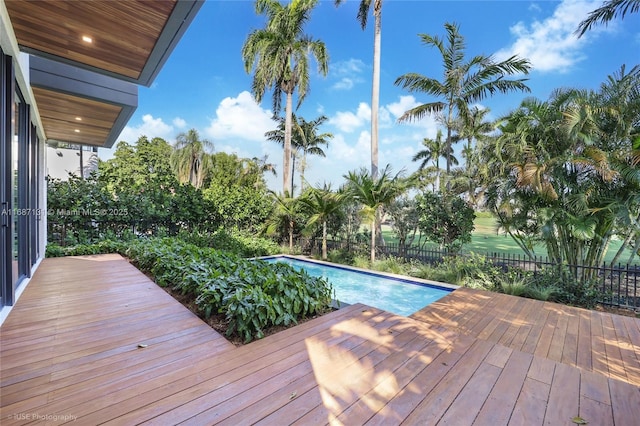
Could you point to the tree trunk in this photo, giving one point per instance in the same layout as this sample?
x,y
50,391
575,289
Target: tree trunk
x,y
302,167
448,144
286,168
81,164
290,236
293,171
373,240
375,89
324,240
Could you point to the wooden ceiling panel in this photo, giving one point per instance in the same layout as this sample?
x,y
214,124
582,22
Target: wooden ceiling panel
x,y
58,112
124,32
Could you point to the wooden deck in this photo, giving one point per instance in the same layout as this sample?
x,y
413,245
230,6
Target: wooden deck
x,y
69,353
600,342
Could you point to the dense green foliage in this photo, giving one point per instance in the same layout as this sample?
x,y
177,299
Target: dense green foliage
x,y
252,295
447,221
404,215
237,242
100,247
562,172
375,193
323,205
241,243
237,193
137,193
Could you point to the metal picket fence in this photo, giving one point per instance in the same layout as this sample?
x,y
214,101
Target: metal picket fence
x,y
619,285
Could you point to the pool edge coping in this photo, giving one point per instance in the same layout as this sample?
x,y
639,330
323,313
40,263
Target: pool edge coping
x,y
405,278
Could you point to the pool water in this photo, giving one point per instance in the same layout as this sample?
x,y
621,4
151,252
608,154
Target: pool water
x,y
399,296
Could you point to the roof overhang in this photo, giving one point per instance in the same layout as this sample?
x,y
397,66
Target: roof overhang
x,y
80,106
86,58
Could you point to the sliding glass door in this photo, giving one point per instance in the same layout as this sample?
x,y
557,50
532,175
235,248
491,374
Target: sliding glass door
x,y
19,186
7,182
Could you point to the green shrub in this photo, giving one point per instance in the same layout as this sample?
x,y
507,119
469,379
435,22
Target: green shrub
x,y
239,242
342,256
394,265
362,261
54,250
101,247
271,294
253,295
473,271
566,287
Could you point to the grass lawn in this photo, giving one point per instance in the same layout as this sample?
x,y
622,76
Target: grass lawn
x,y
486,239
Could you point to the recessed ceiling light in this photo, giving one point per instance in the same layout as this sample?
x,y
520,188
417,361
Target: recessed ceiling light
x,y
87,39
77,130
78,118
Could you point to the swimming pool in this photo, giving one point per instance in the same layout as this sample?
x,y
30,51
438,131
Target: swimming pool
x,y
399,296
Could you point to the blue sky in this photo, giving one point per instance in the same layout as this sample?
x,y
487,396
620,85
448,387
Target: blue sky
x,y
204,86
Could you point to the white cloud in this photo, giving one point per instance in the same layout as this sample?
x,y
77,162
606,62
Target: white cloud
x,y
404,104
348,73
348,121
342,156
551,44
427,125
348,67
344,84
179,123
240,117
150,127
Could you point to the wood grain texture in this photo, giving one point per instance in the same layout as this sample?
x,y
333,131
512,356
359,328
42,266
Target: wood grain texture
x,y
124,32
601,342
69,350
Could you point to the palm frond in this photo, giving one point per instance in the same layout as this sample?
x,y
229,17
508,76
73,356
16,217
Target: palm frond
x,y
609,10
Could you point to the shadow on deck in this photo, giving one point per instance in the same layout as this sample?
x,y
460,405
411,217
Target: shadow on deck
x,y
70,351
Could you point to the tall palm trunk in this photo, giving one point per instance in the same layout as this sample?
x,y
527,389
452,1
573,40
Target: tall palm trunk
x,y
324,240
437,183
286,168
448,145
375,90
291,224
373,237
302,167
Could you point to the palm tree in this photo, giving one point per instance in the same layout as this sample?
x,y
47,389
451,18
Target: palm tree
x,y
463,83
609,10
374,194
363,12
564,178
278,135
433,151
310,142
284,213
257,166
279,53
190,160
305,139
322,204
474,128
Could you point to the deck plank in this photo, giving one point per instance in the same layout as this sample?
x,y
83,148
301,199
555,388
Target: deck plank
x,y
70,348
593,341
503,397
436,403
